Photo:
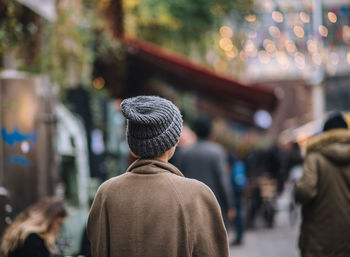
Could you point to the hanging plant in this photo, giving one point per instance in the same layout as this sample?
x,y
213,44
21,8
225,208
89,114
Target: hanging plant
x,y
65,49
19,33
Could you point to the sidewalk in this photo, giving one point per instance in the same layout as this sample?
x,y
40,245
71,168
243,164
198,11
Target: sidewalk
x,y
280,241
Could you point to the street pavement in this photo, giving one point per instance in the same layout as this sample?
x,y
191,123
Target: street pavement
x,y
279,241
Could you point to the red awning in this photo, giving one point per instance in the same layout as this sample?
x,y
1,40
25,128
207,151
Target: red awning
x,y
192,77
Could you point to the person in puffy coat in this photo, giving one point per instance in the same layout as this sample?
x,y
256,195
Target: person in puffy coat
x,y
324,192
152,210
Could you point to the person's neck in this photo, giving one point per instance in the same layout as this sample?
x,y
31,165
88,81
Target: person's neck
x,y
163,158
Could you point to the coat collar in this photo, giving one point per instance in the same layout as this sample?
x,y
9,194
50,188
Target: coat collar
x,y
316,143
152,166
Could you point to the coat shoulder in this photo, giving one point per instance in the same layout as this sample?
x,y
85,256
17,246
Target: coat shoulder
x,y
190,188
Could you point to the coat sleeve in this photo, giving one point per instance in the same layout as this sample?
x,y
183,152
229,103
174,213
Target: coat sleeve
x,y
306,186
97,226
207,227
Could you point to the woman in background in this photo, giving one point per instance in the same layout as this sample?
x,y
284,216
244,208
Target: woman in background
x,y
34,231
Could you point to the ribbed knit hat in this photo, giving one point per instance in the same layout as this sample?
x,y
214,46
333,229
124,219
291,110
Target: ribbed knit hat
x,y
154,125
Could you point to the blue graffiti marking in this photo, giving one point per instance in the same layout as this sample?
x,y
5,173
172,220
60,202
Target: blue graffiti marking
x,y
16,136
19,160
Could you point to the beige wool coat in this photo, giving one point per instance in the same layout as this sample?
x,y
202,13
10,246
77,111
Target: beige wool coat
x,y
324,192
153,211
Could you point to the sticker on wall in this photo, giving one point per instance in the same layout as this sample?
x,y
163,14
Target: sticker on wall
x,y
26,141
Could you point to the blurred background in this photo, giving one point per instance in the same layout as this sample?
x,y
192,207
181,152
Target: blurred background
x,y
267,72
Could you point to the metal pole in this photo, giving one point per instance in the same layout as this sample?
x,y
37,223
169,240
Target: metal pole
x,y
317,76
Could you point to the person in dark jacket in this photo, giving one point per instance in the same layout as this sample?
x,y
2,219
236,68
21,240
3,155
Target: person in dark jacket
x,y
206,162
33,233
324,192
152,209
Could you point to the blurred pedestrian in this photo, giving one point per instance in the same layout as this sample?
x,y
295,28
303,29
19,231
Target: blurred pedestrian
x,y
34,231
152,209
206,162
239,181
187,139
324,192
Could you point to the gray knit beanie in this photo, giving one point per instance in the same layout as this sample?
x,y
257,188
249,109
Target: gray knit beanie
x,y
154,125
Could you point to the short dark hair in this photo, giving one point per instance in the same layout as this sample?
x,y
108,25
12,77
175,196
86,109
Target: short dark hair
x,y
202,127
335,121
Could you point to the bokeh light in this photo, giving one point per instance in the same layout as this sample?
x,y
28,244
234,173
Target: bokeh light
x,y
274,31
277,16
269,45
316,59
264,57
348,57
282,59
233,53
99,83
332,17
226,44
299,31
226,31
346,34
304,17
311,46
323,31
290,46
334,58
250,49
262,119
299,60
250,18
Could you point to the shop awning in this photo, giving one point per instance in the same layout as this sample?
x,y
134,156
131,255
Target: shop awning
x,y
44,8
237,100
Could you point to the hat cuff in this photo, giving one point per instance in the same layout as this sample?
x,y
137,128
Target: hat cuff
x,y
155,146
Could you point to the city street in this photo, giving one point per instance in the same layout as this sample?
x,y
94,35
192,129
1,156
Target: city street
x,y
105,103
281,241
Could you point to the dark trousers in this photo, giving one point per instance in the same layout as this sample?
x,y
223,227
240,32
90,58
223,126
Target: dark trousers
x,y
239,221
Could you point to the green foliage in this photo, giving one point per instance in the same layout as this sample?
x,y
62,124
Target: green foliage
x,y
11,31
180,22
65,49
18,27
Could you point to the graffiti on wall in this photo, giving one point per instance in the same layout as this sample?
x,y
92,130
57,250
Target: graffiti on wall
x,y
26,142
